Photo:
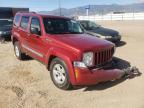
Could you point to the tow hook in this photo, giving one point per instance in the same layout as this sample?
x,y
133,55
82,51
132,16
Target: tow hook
x,y
131,72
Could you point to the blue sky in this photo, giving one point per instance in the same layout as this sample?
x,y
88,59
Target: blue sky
x,y
47,5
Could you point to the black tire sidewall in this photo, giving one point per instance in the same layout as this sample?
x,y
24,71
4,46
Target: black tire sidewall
x,y
20,53
66,85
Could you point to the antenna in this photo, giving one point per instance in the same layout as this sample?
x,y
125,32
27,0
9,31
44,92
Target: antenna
x,y
59,2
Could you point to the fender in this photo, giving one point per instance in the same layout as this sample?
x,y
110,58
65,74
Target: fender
x,y
17,36
67,57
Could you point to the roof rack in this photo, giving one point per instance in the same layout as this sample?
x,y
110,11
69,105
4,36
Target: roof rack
x,y
26,12
32,12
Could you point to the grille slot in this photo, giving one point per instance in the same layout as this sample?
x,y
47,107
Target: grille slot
x,y
103,56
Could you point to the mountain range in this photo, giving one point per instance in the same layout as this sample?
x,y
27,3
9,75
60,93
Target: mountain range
x,y
97,9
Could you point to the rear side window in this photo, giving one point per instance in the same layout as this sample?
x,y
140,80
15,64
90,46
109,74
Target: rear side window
x,y
16,20
24,22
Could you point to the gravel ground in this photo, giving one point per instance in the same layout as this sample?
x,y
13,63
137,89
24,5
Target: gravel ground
x,y
27,84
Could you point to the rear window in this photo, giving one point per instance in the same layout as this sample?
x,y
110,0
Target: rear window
x,y
16,20
24,22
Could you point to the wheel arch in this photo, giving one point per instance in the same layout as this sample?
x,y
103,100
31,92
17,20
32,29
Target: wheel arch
x,y
14,39
50,60
67,59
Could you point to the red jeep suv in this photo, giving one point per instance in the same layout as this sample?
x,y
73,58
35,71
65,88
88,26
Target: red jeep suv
x,y
71,56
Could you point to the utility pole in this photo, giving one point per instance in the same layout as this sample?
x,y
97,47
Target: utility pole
x,y
87,10
59,2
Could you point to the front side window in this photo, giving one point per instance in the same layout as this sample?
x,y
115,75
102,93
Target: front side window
x,y
84,24
35,26
24,22
62,26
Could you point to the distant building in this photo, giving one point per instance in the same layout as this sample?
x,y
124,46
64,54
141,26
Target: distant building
x,y
9,12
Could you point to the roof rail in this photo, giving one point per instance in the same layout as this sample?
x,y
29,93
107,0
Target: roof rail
x,y
26,12
32,12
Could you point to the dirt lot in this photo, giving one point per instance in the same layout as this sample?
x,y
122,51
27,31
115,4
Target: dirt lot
x,y
27,84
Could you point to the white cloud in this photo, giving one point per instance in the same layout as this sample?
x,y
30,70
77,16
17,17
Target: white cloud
x,y
141,0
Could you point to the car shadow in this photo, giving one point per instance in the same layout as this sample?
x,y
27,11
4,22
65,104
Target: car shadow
x,y
120,44
103,86
118,64
27,58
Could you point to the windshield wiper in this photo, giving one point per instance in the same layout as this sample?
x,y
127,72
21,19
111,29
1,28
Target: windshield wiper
x,y
76,32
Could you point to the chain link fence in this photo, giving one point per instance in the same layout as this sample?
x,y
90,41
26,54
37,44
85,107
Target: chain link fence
x,y
123,16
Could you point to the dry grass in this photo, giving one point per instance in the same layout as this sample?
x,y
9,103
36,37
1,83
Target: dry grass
x,y
27,84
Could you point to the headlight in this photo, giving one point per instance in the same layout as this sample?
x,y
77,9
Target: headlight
x,y
3,33
108,37
88,58
0,32
103,37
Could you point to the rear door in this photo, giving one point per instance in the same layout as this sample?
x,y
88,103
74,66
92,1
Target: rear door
x,y
23,31
15,31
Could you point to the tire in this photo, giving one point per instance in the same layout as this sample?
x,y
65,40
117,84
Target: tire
x,y
59,74
17,50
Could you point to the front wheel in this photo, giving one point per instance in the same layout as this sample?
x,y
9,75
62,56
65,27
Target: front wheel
x,y
59,74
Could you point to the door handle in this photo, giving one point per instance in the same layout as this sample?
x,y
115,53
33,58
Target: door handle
x,y
48,40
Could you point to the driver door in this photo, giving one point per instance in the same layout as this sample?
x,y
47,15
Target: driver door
x,y
36,40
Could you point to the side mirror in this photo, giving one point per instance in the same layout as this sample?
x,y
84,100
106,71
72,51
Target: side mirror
x,y
35,31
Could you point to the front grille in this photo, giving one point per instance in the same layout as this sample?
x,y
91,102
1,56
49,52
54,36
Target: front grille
x,y
103,56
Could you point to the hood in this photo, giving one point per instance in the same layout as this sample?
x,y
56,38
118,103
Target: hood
x,y
105,31
81,42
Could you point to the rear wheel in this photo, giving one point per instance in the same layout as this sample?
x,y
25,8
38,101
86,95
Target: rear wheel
x,y
18,52
59,74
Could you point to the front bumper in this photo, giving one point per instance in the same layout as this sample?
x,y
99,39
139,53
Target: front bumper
x,y
85,76
7,35
114,39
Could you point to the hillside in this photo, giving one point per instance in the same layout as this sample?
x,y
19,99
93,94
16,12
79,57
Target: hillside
x,y
98,9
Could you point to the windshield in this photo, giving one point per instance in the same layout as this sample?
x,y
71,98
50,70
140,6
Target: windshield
x,y
62,26
4,23
89,25
93,24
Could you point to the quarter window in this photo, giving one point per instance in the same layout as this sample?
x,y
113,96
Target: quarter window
x,y
24,22
16,20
